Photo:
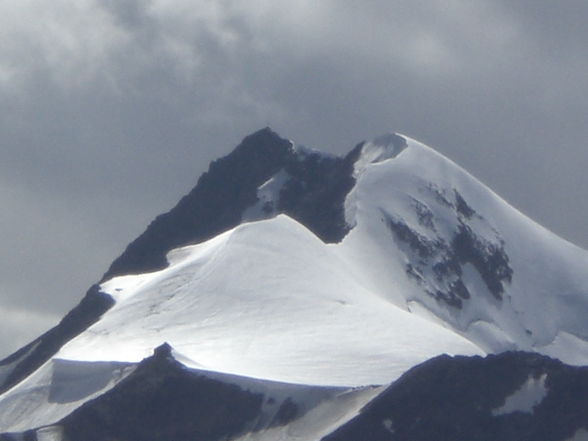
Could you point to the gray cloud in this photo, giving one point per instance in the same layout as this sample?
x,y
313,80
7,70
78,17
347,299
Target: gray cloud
x,y
109,111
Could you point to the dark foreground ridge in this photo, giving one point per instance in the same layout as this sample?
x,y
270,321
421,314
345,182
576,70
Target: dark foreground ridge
x,y
163,400
446,398
459,399
313,193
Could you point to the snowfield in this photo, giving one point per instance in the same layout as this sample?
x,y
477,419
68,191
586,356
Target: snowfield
x,y
434,263
545,300
240,304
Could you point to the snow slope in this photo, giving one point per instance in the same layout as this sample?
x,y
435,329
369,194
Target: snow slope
x,y
267,300
536,300
56,389
434,263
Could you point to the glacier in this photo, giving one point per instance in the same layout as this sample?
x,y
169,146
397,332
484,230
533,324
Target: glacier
x,y
427,261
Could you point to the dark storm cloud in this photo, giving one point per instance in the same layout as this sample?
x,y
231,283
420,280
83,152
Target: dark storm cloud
x,y
109,111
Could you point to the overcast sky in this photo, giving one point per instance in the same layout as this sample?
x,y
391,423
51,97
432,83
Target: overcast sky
x,y
111,109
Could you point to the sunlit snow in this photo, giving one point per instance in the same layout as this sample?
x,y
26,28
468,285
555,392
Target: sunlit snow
x,y
56,389
544,306
269,300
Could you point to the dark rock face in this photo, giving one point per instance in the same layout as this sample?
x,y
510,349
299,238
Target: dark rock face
x,y
313,195
489,258
163,400
445,257
316,192
33,355
213,206
27,436
456,399
462,206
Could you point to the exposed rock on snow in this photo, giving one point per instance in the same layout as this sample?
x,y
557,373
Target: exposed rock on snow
x,y
289,282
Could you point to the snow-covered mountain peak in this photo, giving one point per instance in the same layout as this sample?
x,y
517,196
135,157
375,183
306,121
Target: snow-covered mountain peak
x,y
418,232
476,262
288,265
